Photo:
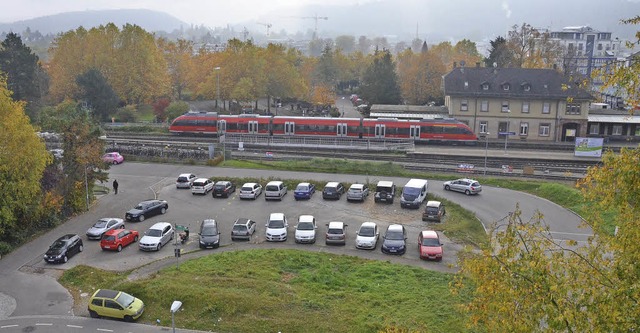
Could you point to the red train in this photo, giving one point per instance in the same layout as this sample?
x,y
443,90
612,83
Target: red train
x,y
426,130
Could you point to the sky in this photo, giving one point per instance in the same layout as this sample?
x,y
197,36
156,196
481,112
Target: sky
x,y
208,12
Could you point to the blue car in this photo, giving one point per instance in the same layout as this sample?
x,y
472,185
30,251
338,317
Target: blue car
x,y
304,191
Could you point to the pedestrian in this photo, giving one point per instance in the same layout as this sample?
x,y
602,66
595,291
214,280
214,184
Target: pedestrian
x,y
115,186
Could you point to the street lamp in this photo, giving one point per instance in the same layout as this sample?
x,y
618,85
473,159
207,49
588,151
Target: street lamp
x,y
175,306
217,85
486,149
506,134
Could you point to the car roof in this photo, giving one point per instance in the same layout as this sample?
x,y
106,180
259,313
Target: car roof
x,y
304,184
468,180
336,225
106,293
429,234
67,237
160,225
368,224
276,216
357,186
186,175
222,182
114,231
385,183
148,201
201,179
242,221
332,184
249,184
395,227
274,182
208,221
305,218
433,203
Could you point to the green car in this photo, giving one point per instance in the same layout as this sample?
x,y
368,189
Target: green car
x,y
115,304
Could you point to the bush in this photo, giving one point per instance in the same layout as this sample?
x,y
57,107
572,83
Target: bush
x,y
176,109
126,114
5,248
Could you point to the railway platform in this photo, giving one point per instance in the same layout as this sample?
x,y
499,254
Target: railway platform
x,y
478,152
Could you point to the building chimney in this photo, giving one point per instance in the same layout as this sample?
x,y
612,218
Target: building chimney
x,y
455,64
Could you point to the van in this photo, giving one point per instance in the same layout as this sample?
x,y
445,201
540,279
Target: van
x,y
414,193
275,190
434,211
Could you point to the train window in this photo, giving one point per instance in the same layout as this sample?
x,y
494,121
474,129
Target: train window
x,y
232,127
263,127
278,128
404,131
352,129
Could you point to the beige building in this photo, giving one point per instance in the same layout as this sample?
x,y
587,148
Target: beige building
x,y
529,104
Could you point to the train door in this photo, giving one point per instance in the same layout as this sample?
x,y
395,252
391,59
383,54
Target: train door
x,y
289,128
414,132
222,126
341,129
380,131
252,127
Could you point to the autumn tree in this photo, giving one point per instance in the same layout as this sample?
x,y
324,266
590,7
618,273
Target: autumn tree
x,y
380,80
283,78
346,43
178,56
531,48
420,76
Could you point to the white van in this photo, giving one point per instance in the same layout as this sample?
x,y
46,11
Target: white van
x,y
414,193
275,190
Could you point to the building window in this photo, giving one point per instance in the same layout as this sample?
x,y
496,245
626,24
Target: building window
x,y
617,130
464,105
484,106
594,129
505,106
599,47
525,107
485,86
506,86
580,46
544,129
524,128
573,108
546,107
527,87
483,126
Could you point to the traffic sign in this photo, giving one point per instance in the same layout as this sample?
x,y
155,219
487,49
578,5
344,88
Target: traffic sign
x,y
507,133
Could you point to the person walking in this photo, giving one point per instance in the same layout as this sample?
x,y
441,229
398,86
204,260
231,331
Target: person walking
x,y
115,186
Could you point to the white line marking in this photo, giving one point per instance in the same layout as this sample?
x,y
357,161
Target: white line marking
x,y
44,324
8,326
104,330
74,326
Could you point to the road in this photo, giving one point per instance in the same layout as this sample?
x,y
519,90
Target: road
x,y
28,286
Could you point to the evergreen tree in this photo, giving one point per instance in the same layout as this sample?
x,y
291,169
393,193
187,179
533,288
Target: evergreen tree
x,y
380,80
98,94
25,77
499,53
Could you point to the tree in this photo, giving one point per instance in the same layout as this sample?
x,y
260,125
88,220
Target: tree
x,y
500,55
364,45
23,158
346,43
178,57
380,81
24,74
98,94
531,48
420,76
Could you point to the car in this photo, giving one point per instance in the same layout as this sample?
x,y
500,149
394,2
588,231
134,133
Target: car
x,y
336,233
333,190
202,186
209,235
113,158
304,191
394,240
223,188
243,229
306,229
275,190
118,239
250,191
358,192
464,185
158,235
57,153
185,180
367,236
429,245
434,211
385,191
277,227
103,225
115,304
64,248
146,209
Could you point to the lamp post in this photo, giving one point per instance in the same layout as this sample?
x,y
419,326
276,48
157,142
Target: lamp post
x,y
506,135
486,150
217,85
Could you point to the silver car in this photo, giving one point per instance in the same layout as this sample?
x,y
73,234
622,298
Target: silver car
x,y
103,225
158,235
358,192
464,185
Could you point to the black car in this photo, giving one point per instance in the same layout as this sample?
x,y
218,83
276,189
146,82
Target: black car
x,y
223,188
146,209
395,240
333,190
63,248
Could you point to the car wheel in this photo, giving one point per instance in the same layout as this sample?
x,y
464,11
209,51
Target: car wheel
x,y
93,314
81,248
65,258
467,192
135,239
128,318
447,188
122,226
115,162
163,210
141,218
159,246
119,247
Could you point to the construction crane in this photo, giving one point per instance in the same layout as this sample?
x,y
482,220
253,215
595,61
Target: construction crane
x,y
268,25
315,18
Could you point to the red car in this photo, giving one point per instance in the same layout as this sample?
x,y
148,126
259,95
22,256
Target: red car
x,y
113,158
429,245
118,238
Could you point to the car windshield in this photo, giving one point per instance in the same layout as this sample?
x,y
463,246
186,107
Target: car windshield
x,y
475,184
247,188
430,242
272,188
335,231
154,232
305,226
330,189
100,224
209,231
125,300
432,210
198,184
355,190
395,235
109,238
302,188
239,227
219,187
367,232
183,179
139,207
58,245
276,224
383,189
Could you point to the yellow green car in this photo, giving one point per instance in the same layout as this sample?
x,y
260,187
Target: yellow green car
x,y
115,304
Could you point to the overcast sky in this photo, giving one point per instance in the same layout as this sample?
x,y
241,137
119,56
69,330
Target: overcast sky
x,y
208,12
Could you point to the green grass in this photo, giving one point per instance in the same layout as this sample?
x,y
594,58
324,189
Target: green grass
x,y
290,291
460,225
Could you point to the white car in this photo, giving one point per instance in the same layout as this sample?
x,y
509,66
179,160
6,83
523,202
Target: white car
x,y
202,186
250,191
277,228
367,236
306,229
158,235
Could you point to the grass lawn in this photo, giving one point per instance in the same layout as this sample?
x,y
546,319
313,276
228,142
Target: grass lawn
x,y
289,291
